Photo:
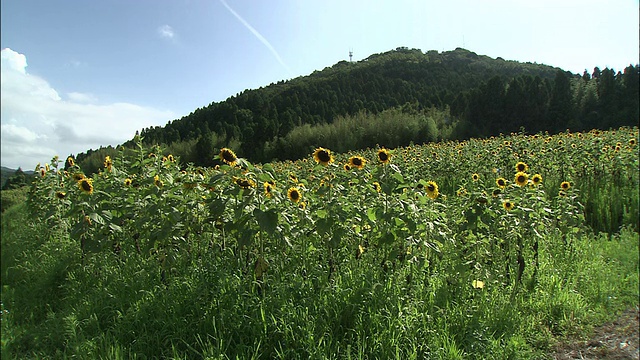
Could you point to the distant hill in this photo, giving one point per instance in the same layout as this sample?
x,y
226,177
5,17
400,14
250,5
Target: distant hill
x,y
6,173
481,96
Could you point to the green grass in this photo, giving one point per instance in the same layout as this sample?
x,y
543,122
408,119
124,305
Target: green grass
x,y
54,306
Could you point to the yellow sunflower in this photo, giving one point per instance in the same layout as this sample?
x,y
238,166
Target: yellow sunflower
x,y
475,177
127,182
171,158
78,176
244,183
537,179
346,167
86,185
323,156
521,178
565,185
157,181
432,189
108,163
376,186
294,194
268,189
521,167
384,156
61,194
70,162
357,162
508,205
228,156
501,182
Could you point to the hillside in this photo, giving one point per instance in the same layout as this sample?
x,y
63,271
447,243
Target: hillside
x,y
476,96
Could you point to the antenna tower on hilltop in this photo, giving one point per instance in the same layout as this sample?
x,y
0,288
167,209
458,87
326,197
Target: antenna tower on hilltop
x,y
350,55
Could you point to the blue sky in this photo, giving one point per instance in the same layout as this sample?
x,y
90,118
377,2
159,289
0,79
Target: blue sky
x,y
83,74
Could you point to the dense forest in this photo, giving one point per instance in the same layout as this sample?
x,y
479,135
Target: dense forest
x,y
416,97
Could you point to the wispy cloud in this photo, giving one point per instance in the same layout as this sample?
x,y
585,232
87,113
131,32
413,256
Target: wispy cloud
x,y
166,32
59,125
256,34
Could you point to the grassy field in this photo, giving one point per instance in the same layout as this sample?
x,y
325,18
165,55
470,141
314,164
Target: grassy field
x,y
482,249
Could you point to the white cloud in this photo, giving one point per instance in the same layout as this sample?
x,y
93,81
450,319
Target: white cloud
x,y
81,98
37,124
166,31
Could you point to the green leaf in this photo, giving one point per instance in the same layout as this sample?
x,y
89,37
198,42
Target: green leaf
x,y
267,220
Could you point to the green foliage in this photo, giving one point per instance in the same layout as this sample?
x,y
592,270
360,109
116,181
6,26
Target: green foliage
x,y
13,197
416,256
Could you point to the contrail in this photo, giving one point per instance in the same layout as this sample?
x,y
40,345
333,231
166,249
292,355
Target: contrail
x,y
257,34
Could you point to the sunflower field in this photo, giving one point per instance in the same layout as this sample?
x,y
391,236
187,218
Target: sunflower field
x,y
484,248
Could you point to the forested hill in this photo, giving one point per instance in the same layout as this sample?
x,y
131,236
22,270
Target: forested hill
x,y
476,96
378,82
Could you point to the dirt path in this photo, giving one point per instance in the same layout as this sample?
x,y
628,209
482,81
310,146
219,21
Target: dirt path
x,y
615,340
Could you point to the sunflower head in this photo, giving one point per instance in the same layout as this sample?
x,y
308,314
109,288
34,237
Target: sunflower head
x,y
108,163
61,194
294,194
127,182
508,205
565,185
171,158
43,172
501,182
228,156
432,189
357,162
323,156
521,167
475,177
376,186
537,179
244,183
268,188
157,182
70,162
346,167
521,178
86,185
384,156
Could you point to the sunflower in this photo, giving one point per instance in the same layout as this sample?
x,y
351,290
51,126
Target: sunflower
x,y
294,194
245,183
157,181
171,158
61,194
562,193
384,156
477,284
323,156
357,162
632,142
228,156
521,178
268,189
108,163
475,177
376,186
152,155
461,192
43,172
70,162
536,179
78,176
432,189
302,205
293,178
496,192
86,185
521,167
508,205
501,182
346,167
127,182
565,185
